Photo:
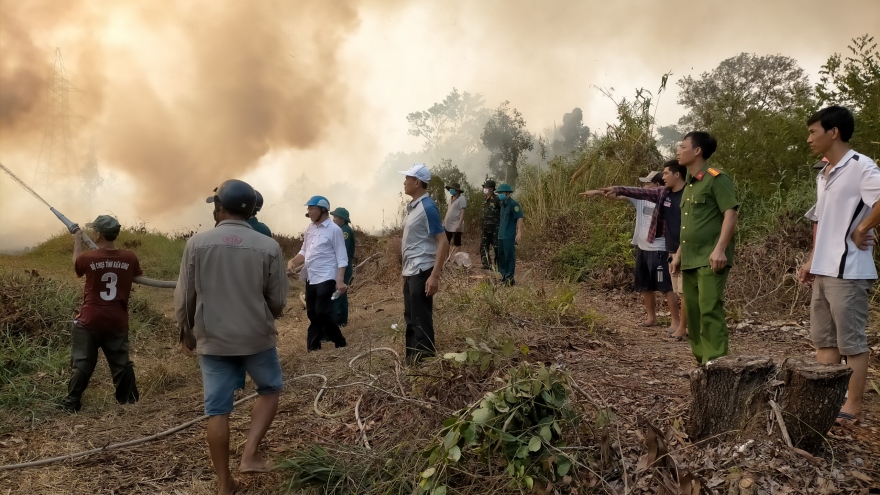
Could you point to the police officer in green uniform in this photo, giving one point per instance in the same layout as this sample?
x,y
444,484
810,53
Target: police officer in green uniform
x,y
256,224
491,219
340,305
509,233
705,255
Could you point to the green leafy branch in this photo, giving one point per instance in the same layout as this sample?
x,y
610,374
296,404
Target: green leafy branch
x,y
518,427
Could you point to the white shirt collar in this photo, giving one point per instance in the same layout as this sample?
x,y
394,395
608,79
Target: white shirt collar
x,y
842,163
325,223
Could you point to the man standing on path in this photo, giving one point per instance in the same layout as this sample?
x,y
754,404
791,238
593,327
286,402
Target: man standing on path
x,y
669,215
454,221
841,266
323,253
231,288
424,249
340,305
102,322
709,215
256,224
491,219
509,234
652,264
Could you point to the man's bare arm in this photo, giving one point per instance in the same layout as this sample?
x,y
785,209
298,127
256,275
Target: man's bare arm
x,y
863,236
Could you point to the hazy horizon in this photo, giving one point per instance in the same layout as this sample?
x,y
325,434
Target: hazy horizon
x,y
311,97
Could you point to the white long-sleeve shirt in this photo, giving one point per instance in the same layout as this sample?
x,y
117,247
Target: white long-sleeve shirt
x,y
324,250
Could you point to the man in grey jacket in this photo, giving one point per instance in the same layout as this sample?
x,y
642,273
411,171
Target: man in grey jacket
x,y
232,286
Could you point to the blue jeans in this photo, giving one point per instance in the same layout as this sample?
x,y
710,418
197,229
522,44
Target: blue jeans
x,y
220,376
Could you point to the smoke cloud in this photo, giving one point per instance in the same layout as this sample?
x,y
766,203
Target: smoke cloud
x,y
179,94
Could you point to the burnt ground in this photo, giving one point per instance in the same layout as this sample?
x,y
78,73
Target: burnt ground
x,y
632,371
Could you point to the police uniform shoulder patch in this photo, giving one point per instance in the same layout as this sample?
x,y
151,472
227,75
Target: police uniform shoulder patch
x,y
516,209
345,235
714,172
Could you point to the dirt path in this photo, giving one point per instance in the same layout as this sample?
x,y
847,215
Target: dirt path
x,y
634,370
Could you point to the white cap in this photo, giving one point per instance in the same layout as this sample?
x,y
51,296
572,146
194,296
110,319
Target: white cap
x,y
419,171
655,177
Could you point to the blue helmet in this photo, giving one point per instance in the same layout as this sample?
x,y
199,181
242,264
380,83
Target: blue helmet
x,y
319,201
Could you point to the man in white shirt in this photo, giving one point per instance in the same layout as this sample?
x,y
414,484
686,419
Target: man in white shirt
x,y
454,221
652,264
841,266
325,258
424,249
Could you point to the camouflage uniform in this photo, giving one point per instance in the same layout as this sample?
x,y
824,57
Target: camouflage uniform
x,y
489,236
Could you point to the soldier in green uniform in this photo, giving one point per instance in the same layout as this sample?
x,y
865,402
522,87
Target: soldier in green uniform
x,y
340,305
509,233
705,255
252,220
491,218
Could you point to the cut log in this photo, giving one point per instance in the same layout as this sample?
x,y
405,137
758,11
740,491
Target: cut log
x,y
811,399
728,394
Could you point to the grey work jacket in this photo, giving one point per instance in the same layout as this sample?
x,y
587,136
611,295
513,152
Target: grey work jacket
x,y
232,286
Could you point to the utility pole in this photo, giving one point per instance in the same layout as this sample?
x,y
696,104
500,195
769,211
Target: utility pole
x,y
56,165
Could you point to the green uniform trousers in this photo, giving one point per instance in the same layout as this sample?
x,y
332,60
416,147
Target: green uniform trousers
x,y
506,259
340,310
340,305
704,302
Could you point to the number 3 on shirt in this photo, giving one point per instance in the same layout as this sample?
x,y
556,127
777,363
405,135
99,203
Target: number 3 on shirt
x,y
110,278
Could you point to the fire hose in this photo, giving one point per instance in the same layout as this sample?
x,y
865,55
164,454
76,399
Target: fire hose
x,y
73,228
324,387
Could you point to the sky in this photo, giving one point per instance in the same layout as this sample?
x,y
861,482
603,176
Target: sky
x,y
309,97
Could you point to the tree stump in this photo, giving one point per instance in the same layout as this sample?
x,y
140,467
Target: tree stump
x,y
731,399
727,394
811,399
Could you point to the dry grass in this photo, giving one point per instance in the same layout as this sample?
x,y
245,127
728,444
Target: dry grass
x,y
631,371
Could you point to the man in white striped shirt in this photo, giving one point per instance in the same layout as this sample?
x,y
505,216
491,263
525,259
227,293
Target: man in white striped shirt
x,y
841,266
323,252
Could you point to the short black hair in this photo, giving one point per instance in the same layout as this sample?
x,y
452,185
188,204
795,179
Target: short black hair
x,y
675,167
424,184
110,237
704,141
835,116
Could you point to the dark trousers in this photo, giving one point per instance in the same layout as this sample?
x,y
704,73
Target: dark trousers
x,y
319,307
84,358
507,260
489,247
418,313
340,305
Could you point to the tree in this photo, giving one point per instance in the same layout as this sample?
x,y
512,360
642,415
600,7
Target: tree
x,y
740,85
506,138
630,141
855,82
668,138
757,108
572,134
451,128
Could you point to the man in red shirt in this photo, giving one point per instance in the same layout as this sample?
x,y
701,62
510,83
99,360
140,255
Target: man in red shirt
x,y
102,323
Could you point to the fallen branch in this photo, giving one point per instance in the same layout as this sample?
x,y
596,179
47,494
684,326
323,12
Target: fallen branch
x,y
362,263
778,413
